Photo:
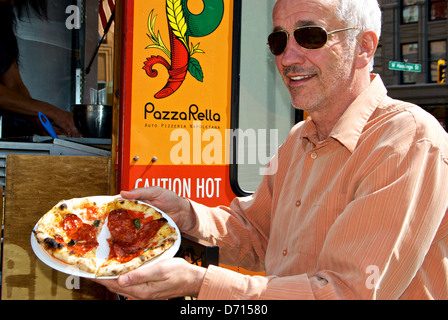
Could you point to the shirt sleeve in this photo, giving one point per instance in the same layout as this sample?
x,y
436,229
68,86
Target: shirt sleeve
x,y
241,230
223,284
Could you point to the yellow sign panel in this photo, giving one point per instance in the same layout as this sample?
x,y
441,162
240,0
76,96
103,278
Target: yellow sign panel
x,y
176,97
181,79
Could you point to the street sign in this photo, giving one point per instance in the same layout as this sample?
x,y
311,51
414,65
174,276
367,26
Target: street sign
x,y
403,66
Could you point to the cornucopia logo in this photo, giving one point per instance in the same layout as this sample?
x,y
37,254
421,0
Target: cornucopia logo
x,y
182,25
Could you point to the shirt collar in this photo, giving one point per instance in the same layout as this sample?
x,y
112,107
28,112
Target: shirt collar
x,y
350,126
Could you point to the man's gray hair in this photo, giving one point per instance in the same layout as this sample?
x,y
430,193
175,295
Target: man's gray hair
x,y
364,13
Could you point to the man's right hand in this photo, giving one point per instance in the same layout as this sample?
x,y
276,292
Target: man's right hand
x,y
178,208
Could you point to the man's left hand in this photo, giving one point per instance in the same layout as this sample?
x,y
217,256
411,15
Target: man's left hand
x,y
167,279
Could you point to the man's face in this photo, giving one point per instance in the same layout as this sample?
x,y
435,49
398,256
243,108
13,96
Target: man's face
x,y
315,78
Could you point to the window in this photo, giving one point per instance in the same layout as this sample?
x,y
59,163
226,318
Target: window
x,y
409,53
437,10
265,114
437,50
409,11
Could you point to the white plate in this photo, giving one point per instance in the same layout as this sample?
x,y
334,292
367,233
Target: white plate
x,y
103,247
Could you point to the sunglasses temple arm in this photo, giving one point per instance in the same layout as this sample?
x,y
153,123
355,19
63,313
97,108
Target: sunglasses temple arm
x,y
346,29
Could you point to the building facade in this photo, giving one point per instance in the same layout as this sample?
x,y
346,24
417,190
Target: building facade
x,y
415,32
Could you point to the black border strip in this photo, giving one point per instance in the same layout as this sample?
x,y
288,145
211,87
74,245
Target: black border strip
x,y
235,99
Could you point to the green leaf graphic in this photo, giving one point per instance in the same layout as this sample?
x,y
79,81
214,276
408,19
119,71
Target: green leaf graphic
x,y
194,67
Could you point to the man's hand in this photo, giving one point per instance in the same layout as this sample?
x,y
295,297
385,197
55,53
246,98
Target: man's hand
x,y
166,279
179,209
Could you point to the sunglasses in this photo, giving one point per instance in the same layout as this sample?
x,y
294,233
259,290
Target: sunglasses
x,y
309,37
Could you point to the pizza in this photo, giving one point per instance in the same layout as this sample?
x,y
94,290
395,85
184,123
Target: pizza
x,y
72,232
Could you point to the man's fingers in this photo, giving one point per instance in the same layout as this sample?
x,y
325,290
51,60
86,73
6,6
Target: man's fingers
x,y
139,276
124,280
144,194
131,195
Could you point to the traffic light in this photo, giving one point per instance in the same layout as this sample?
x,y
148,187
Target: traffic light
x,y
441,71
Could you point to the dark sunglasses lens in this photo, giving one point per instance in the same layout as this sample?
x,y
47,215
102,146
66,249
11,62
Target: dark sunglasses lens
x,y
277,42
311,37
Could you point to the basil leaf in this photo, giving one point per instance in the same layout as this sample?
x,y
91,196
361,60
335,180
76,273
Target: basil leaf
x,y
137,223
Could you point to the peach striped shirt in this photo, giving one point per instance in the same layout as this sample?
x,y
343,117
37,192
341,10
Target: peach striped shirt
x,y
360,215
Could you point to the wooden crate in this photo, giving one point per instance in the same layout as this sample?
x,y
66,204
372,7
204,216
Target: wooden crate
x,y
34,184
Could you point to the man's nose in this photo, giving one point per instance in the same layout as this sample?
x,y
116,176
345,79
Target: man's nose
x,y
293,53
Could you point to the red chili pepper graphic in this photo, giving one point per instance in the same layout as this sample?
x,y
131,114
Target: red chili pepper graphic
x,y
177,70
153,60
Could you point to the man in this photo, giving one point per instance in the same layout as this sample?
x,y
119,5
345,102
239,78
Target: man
x,y
18,108
356,209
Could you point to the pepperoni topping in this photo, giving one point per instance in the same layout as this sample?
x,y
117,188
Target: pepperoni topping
x,y
82,235
77,230
131,233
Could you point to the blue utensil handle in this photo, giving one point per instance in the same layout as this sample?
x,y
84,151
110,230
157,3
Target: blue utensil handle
x,y
47,125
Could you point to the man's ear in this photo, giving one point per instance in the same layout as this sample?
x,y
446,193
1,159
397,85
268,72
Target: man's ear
x,y
366,48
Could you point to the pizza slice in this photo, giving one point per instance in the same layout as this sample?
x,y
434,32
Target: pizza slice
x,y
69,232
138,234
